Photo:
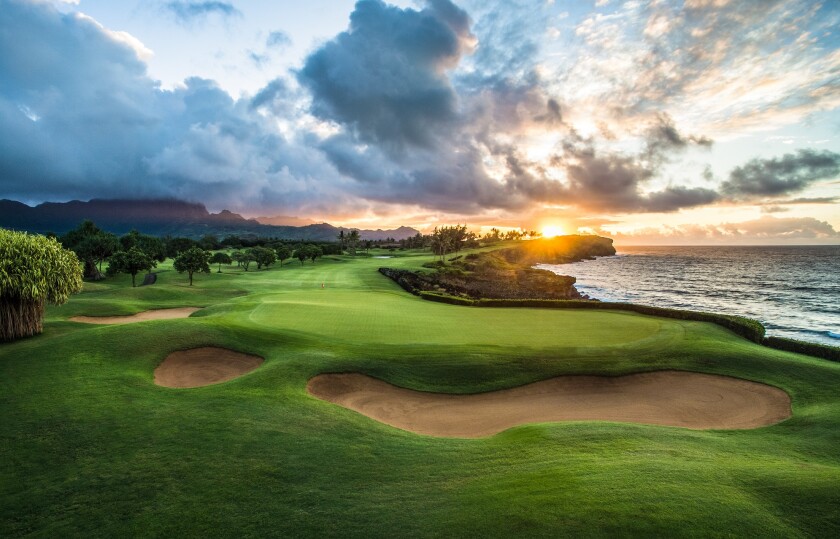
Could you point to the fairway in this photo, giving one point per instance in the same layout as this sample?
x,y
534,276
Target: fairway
x,y
92,446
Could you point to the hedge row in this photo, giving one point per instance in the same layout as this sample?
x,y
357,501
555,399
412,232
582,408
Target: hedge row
x,y
831,353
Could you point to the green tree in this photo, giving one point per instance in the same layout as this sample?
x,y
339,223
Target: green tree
x,y
193,260
283,253
263,256
34,270
302,253
314,252
132,261
220,258
151,245
243,259
176,246
493,235
209,242
92,246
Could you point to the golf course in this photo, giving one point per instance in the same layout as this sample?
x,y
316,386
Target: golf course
x,y
321,399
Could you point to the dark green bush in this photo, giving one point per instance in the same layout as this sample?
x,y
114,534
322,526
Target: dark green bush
x,y
831,353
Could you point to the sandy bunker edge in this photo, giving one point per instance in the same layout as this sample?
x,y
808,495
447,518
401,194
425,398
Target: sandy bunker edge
x,y
153,314
204,366
668,398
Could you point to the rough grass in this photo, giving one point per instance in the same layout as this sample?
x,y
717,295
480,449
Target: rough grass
x,y
89,446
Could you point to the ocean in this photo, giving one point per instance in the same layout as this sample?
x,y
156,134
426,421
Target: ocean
x,y
793,291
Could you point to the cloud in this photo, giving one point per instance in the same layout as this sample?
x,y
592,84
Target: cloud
x,y
767,229
714,66
782,175
278,39
427,107
192,11
385,78
90,122
663,136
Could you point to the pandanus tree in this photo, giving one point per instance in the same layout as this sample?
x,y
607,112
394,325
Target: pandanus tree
x,y
34,270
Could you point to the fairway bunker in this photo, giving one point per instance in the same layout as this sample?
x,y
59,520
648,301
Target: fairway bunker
x,y
155,314
670,398
204,366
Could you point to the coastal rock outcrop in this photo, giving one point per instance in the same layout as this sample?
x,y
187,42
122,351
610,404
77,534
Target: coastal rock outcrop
x,y
507,273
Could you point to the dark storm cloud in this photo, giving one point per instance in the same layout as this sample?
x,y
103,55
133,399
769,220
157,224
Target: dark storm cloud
x,y
781,175
457,183
385,77
191,11
615,182
81,118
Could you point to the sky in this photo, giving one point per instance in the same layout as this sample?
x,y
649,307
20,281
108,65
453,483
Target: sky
x,y
660,122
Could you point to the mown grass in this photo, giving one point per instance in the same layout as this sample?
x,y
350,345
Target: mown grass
x,y
89,446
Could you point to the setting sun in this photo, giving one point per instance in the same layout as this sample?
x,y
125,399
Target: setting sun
x,y
552,230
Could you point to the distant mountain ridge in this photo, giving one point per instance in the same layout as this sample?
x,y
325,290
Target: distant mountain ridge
x,y
165,216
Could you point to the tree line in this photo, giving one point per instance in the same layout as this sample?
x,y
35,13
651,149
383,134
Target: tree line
x,y
134,252
446,240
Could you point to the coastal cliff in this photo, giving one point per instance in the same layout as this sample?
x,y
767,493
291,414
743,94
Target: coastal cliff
x,y
507,273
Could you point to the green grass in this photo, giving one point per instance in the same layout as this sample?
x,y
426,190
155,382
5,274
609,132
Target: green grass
x,y
89,446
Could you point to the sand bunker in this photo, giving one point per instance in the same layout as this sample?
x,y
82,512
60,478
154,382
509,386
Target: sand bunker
x,y
156,314
203,366
672,398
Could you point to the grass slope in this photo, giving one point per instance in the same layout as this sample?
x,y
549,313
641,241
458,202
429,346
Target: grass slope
x,y
89,446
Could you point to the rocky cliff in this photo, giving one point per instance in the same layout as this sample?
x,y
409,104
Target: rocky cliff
x,y
507,273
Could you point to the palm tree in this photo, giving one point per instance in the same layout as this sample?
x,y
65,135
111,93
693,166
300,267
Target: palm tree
x,y
353,240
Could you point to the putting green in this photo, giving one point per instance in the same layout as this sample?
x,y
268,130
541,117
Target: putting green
x,y
385,318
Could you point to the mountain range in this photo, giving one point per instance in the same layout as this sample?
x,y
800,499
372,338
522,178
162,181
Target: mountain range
x,y
169,217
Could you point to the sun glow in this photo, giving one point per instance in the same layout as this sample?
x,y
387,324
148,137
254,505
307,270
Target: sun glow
x,y
552,230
